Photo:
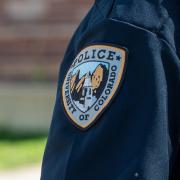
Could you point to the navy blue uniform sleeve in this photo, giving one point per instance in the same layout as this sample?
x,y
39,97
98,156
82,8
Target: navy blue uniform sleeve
x,y
116,114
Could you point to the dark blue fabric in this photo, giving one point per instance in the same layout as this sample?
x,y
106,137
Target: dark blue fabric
x,y
138,136
173,7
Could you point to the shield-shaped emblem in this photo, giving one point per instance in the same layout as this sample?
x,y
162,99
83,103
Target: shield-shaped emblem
x,y
91,83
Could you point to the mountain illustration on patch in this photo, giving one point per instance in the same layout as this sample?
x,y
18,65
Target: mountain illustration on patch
x,y
87,84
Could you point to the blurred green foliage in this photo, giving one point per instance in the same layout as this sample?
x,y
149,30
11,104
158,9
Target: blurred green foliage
x,y
20,150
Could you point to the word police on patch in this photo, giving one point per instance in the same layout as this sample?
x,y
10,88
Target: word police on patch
x,y
91,82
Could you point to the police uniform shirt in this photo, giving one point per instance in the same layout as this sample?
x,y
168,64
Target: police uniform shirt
x,y
116,114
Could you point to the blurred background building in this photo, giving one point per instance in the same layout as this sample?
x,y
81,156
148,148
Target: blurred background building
x,y
33,38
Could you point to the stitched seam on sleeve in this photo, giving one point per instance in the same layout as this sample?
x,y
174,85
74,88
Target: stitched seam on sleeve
x,y
145,29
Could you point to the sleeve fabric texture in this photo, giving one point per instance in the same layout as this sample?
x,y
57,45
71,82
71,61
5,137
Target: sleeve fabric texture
x,y
138,135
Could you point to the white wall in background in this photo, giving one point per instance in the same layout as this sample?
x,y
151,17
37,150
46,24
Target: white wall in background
x,y
25,9
26,107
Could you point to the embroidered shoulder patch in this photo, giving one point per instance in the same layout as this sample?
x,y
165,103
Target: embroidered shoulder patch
x,y
91,82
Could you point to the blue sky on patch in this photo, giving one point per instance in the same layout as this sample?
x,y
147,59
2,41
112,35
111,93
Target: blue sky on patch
x,y
88,66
